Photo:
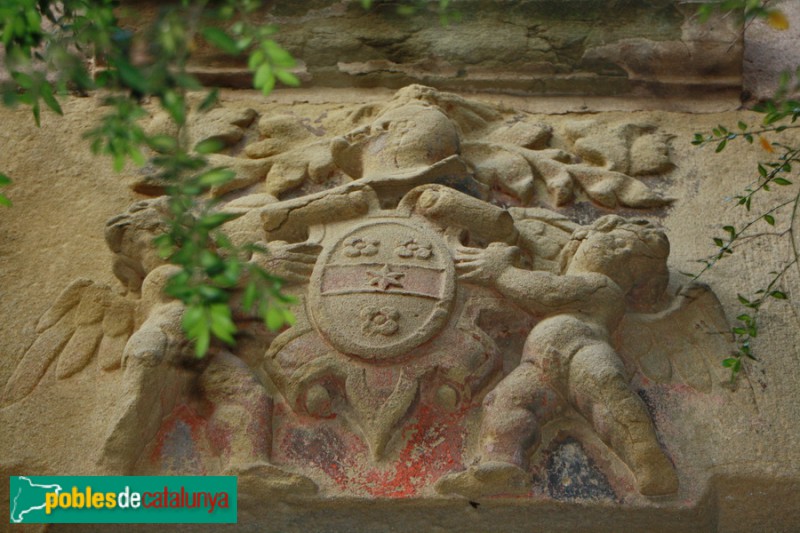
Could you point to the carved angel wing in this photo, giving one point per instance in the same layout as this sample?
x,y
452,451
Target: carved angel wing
x,y
687,341
87,319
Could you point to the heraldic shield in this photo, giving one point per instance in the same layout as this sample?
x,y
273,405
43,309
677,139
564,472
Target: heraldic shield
x,y
382,289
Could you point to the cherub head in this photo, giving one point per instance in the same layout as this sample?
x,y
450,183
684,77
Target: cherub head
x,y
130,236
633,253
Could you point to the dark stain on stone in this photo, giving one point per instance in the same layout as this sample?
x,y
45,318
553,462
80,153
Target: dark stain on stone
x,y
320,446
649,402
572,475
465,184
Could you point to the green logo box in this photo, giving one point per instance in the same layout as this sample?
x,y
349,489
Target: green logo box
x,y
122,499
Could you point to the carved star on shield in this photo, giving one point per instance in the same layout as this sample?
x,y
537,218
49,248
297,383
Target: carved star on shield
x,y
385,278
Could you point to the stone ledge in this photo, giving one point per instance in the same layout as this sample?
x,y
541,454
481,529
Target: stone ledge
x,y
734,504
528,47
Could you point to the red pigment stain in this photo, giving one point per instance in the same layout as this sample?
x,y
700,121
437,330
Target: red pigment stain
x,y
433,449
434,442
219,436
181,414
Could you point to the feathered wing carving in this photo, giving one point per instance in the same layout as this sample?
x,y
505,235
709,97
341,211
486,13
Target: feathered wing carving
x,y
87,320
685,342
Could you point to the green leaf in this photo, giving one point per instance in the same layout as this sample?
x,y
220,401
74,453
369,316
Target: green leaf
x,y
187,81
209,146
221,40
132,77
277,55
287,78
778,295
209,101
4,180
230,275
49,99
174,104
762,171
193,319
770,219
243,43
267,30
201,343
216,176
212,294
4,201
721,146
222,325
118,162
222,240
36,114
249,297
256,59
285,298
782,181
165,144
211,262
24,80
137,156
274,318
264,78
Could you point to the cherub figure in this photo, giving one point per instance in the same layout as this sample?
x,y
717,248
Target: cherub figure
x,y
608,268
140,334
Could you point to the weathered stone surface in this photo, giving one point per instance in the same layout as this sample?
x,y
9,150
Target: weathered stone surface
x,y
553,47
330,431
769,53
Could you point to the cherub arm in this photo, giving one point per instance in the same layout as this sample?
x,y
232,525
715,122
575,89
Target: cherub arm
x,y
538,292
292,262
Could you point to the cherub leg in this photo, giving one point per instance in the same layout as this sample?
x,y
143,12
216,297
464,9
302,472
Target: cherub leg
x,y
512,415
598,388
151,384
240,427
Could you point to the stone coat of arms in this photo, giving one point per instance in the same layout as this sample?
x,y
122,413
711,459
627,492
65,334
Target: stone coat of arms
x,y
455,331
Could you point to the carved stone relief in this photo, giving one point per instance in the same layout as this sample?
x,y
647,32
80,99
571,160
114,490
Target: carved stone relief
x,y
456,333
